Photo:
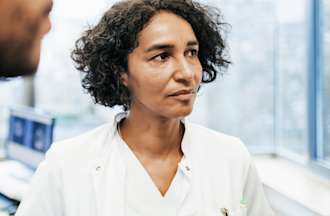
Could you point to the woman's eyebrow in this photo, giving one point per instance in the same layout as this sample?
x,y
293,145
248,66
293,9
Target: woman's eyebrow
x,y
159,47
169,46
192,43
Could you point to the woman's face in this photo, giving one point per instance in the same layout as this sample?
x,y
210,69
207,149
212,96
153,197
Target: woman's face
x,y
164,71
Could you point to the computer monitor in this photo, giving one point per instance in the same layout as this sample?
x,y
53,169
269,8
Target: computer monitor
x,y
30,135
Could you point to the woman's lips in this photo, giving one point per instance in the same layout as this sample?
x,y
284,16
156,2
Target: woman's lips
x,y
188,96
182,91
185,94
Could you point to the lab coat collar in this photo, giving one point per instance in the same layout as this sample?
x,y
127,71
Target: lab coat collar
x,y
119,116
185,165
186,149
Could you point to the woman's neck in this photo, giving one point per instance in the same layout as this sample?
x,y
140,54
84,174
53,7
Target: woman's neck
x,y
152,136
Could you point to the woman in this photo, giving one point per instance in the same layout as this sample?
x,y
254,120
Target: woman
x,y
149,56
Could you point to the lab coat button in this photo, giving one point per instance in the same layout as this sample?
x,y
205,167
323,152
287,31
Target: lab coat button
x,y
187,168
224,212
98,168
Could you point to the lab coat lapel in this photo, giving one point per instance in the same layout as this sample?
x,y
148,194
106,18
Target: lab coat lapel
x,y
108,176
189,204
192,200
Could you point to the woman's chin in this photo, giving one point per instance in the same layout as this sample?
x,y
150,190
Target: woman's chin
x,y
180,113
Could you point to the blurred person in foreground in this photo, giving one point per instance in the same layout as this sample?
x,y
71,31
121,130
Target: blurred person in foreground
x,y
150,57
23,23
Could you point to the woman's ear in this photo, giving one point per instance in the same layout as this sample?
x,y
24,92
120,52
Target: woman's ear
x,y
124,79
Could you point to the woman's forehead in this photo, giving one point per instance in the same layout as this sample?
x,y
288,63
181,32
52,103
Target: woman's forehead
x,y
168,28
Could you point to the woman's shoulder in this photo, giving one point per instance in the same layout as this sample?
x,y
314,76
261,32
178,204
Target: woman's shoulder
x,y
80,147
217,143
86,138
209,133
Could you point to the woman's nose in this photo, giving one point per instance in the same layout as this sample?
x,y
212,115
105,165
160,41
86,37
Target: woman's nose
x,y
184,70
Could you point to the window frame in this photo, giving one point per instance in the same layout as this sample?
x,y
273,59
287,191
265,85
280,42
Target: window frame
x,y
315,84
319,71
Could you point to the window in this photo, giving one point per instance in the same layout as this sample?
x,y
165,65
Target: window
x,y
241,103
325,80
291,78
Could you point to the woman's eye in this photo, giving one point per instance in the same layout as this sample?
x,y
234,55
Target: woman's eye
x,y
161,57
192,53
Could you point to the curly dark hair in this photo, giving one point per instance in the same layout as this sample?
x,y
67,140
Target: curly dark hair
x,y
102,51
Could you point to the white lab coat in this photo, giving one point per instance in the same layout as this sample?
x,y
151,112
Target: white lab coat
x,y
85,176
